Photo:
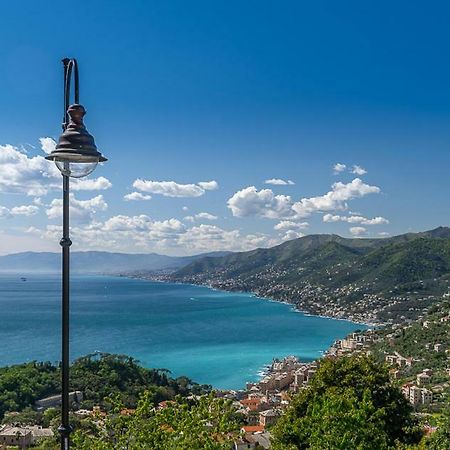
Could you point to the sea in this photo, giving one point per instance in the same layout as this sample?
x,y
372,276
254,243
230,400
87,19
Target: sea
x,y
213,337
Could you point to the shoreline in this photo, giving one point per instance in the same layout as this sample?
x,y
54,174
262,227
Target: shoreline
x,y
259,297
265,369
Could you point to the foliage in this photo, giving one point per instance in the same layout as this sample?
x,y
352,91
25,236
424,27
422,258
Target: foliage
x,y
415,266
205,423
440,439
350,403
98,376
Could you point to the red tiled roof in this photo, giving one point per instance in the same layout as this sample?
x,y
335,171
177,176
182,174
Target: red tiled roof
x,y
252,428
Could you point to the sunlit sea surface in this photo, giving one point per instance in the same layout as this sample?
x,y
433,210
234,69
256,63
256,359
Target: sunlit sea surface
x,y
214,337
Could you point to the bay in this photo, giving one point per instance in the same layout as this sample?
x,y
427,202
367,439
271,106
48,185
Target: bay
x,y
213,337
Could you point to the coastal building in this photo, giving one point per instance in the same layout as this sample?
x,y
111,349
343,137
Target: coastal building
x,y
423,379
438,348
415,395
426,396
15,436
268,417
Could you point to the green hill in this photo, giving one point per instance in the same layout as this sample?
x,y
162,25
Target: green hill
x,y
363,279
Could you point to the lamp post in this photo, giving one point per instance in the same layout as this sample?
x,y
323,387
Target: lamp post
x,y
76,156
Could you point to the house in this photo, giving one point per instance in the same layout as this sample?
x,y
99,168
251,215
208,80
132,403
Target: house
x,y
18,436
423,379
244,443
252,404
426,397
252,429
438,348
268,417
415,395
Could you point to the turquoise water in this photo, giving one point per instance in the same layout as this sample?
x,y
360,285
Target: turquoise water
x,y
214,337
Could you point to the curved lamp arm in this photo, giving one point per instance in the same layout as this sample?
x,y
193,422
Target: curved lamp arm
x,y
70,64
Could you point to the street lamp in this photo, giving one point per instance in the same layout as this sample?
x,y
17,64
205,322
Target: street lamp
x,y
76,156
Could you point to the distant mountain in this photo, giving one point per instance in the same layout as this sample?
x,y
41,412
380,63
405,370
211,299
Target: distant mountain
x,y
363,279
95,262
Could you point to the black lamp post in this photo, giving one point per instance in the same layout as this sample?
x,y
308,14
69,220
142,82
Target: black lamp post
x,y
75,156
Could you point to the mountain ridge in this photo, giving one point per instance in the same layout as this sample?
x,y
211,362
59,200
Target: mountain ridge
x,y
377,280
95,261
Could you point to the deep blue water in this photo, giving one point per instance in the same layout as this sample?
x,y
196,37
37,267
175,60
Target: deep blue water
x,y
214,337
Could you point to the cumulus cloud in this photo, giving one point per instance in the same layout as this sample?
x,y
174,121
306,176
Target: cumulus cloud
x,y
251,202
87,184
169,188
358,231
355,219
286,225
142,233
291,234
47,144
338,168
23,210
136,196
82,211
336,198
279,182
201,216
358,170
33,176
209,185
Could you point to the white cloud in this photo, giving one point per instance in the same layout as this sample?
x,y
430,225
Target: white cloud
x,y
358,170
251,202
336,198
169,188
185,208
291,234
87,184
201,216
141,233
286,225
207,238
358,231
338,168
23,210
384,234
33,176
47,144
279,182
355,219
209,185
81,211
4,212
136,196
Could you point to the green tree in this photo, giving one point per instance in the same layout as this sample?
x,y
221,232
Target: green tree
x,y
440,439
350,404
206,423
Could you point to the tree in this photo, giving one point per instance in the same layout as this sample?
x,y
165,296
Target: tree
x,y
350,403
206,423
440,439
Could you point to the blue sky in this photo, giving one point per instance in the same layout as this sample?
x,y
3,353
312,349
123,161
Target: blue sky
x,y
236,93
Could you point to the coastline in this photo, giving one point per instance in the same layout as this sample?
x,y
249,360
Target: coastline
x,y
265,369
256,295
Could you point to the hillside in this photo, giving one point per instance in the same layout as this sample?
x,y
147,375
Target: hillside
x,y
410,350
369,280
95,262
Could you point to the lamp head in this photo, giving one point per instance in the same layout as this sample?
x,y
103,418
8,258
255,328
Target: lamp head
x,y
76,154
